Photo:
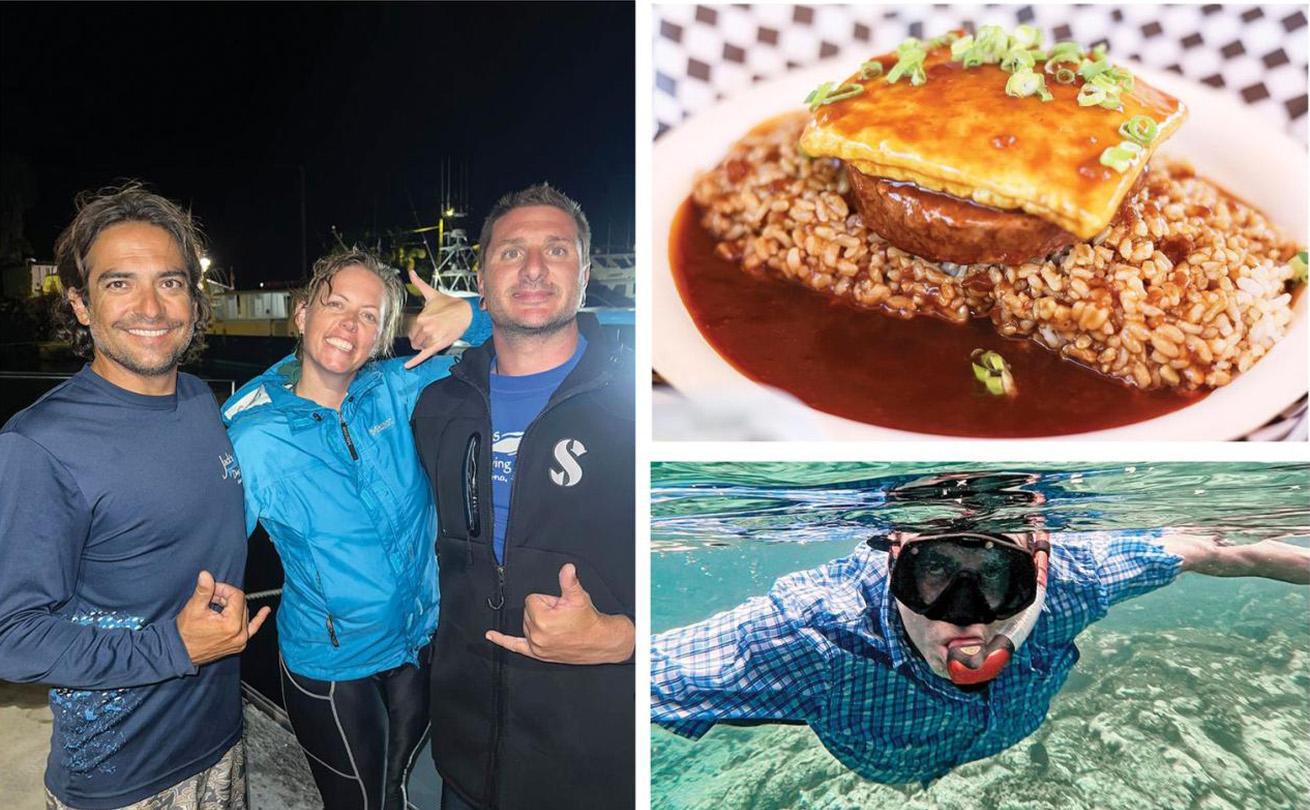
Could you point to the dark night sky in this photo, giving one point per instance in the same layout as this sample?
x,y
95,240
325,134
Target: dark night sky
x,y
217,106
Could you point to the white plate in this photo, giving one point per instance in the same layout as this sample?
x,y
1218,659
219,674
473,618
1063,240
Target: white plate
x,y
1226,142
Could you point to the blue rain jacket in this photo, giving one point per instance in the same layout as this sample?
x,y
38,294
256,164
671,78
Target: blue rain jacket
x,y
349,509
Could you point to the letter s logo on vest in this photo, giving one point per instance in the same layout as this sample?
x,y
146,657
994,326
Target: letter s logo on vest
x,y
567,453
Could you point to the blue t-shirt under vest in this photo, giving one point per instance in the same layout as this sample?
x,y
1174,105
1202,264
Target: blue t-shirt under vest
x,y
515,403
112,502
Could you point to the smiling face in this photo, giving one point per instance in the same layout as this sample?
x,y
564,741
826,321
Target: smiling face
x,y
339,328
531,277
139,307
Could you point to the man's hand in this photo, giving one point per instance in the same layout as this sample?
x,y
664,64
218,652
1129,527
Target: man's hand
x,y
1210,554
567,629
214,623
443,319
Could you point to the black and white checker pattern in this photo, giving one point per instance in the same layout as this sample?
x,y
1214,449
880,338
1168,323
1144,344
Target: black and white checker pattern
x,y
1258,54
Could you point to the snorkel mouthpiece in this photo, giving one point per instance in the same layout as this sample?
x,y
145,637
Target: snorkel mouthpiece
x,y
972,665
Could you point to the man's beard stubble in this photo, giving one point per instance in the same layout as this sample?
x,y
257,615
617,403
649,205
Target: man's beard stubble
x,y
513,328
103,347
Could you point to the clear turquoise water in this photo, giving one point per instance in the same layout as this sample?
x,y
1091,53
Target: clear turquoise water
x,y
1197,695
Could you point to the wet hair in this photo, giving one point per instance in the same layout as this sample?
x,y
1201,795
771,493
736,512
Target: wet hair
x,y
319,287
115,205
540,194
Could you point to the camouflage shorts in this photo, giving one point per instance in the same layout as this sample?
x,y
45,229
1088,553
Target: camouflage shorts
x,y
221,786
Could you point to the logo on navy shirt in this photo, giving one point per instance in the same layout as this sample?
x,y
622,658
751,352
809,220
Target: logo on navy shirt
x,y
567,453
230,468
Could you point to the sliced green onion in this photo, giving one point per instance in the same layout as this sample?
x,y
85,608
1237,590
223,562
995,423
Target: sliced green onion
x,y
817,95
1096,93
1017,59
912,54
1090,69
1016,53
1298,265
990,369
1122,77
903,67
1025,83
945,39
1108,80
1065,52
910,46
993,42
960,46
1121,157
844,92
1139,129
830,93
1026,36
1105,74
1089,95
987,47
870,70
1108,76
1021,83
1056,65
1113,86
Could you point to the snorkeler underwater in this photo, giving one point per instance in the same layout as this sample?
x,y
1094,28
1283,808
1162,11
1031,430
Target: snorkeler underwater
x,y
959,636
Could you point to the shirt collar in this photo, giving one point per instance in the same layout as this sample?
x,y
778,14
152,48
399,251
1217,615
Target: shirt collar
x,y
300,411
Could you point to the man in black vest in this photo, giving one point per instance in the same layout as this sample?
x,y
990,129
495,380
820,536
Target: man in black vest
x,y
529,448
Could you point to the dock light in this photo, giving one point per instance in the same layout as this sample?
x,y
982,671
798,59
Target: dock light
x,y
450,212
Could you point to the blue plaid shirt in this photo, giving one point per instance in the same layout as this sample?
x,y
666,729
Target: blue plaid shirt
x,y
827,647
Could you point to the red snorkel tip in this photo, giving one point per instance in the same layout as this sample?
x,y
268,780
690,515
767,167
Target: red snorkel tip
x,y
971,670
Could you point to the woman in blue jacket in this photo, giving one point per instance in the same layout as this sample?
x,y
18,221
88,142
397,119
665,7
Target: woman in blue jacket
x,y
329,468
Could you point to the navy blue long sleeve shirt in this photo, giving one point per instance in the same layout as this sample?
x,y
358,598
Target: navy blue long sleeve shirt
x,y
111,503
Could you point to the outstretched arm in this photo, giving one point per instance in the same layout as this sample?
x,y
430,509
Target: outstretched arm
x,y
1212,555
749,664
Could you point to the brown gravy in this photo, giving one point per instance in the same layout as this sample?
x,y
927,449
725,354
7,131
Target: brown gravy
x,y
905,374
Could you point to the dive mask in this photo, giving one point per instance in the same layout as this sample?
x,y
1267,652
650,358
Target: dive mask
x,y
967,578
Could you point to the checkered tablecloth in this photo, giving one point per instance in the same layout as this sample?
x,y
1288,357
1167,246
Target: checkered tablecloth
x,y
1255,53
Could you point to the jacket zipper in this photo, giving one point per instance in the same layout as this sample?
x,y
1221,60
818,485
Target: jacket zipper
x,y
332,630
345,431
472,511
350,445
498,671
497,604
